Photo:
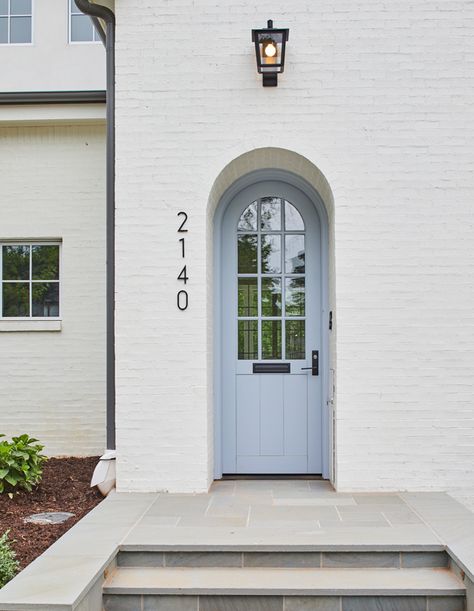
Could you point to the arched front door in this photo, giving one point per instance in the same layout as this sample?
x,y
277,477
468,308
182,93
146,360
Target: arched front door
x,y
271,332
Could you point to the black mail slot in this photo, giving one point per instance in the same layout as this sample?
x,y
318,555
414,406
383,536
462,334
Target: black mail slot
x,y
271,368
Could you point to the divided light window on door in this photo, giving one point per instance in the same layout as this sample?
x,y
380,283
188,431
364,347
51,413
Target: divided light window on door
x,y
271,281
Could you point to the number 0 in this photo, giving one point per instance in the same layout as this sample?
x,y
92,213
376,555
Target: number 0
x,y
182,299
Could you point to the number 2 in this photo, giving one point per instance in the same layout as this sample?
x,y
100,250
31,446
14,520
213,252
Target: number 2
x,y
181,230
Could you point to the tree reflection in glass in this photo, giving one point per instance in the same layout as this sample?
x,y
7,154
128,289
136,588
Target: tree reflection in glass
x,y
271,339
45,299
295,339
295,296
271,297
270,214
248,297
247,254
247,339
293,219
248,218
271,254
16,299
294,254
16,263
45,262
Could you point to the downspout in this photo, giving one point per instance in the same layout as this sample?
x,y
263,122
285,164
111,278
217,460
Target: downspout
x,y
104,474
99,29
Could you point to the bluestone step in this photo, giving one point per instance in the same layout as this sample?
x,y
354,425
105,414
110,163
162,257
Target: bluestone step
x,y
284,582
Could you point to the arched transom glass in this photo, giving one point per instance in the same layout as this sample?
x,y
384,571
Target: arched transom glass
x,y
271,281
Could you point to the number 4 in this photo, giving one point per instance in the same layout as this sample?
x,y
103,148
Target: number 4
x,y
183,275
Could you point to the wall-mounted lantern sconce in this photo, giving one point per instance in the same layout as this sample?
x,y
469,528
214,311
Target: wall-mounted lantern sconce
x,y
270,46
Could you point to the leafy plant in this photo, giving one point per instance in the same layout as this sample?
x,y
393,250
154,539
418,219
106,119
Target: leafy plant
x,y
21,464
8,563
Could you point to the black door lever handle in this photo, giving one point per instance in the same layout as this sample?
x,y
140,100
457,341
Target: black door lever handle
x,y
315,361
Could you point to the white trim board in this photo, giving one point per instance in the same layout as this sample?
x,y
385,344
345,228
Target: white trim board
x,y
31,114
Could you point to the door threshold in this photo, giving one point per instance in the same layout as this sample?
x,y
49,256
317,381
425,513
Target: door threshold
x,y
277,476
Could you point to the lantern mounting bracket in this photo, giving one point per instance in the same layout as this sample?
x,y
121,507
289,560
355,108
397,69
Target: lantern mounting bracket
x,y
270,79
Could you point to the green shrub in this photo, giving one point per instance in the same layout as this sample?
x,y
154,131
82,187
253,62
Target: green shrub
x,y
8,563
21,464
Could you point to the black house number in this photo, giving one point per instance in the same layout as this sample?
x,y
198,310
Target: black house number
x,y
182,298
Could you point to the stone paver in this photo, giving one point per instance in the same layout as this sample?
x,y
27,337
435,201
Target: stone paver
x,y
453,523
271,581
269,513
464,496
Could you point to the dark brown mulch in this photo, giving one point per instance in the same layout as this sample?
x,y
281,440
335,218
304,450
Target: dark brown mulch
x,y
65,487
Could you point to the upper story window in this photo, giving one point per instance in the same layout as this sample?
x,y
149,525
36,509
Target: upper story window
x,y
81,28
30,280
16,22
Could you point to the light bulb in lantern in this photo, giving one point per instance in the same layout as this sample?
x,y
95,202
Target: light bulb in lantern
x,y
269,50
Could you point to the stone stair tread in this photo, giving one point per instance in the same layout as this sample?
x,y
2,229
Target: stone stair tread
x,y
284,581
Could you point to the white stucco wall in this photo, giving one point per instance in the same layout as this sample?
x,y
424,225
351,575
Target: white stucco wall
x,y
51,63
379,96
53,383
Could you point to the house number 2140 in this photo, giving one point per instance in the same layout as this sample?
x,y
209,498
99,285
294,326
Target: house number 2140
x,y
182,298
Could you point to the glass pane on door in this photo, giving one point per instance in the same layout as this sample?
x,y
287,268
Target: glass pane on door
x,y
270,214
271,254
271,296
247,253
248,218
271,281
294,254
248,297
295,296
271,339
248,339
295,339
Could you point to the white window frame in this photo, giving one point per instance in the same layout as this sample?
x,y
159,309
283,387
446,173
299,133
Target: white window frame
x,y
95,36
30,243
9,16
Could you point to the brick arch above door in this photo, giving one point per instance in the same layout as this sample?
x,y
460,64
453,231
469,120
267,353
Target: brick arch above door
x,y
276,159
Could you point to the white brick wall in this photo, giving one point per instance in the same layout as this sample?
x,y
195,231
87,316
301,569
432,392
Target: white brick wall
x,y
52,384
379,96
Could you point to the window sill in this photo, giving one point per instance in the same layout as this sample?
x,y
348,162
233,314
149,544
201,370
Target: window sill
x,y
29,325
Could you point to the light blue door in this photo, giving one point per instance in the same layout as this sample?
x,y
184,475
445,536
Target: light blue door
x,y
271,304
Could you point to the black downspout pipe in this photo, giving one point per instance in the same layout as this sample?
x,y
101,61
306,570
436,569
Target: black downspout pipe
x,y
99,29
96,12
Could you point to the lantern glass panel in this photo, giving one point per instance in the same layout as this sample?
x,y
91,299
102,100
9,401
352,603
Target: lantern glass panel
x,y
270,49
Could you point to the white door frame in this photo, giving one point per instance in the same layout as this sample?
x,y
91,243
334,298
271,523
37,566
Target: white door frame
x,y
298,182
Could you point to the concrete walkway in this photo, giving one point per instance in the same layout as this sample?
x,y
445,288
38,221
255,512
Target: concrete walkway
x,y
238,515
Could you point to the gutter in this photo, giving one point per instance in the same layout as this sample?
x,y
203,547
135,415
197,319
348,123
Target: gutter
x,y
99,14
53,97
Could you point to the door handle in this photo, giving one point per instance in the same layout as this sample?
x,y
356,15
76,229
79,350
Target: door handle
x,y
314,363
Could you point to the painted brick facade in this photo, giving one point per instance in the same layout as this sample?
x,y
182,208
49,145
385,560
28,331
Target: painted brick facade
x,y
53,383
379,96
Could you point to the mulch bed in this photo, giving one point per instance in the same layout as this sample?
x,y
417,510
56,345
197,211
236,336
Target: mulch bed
x,y
65,487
